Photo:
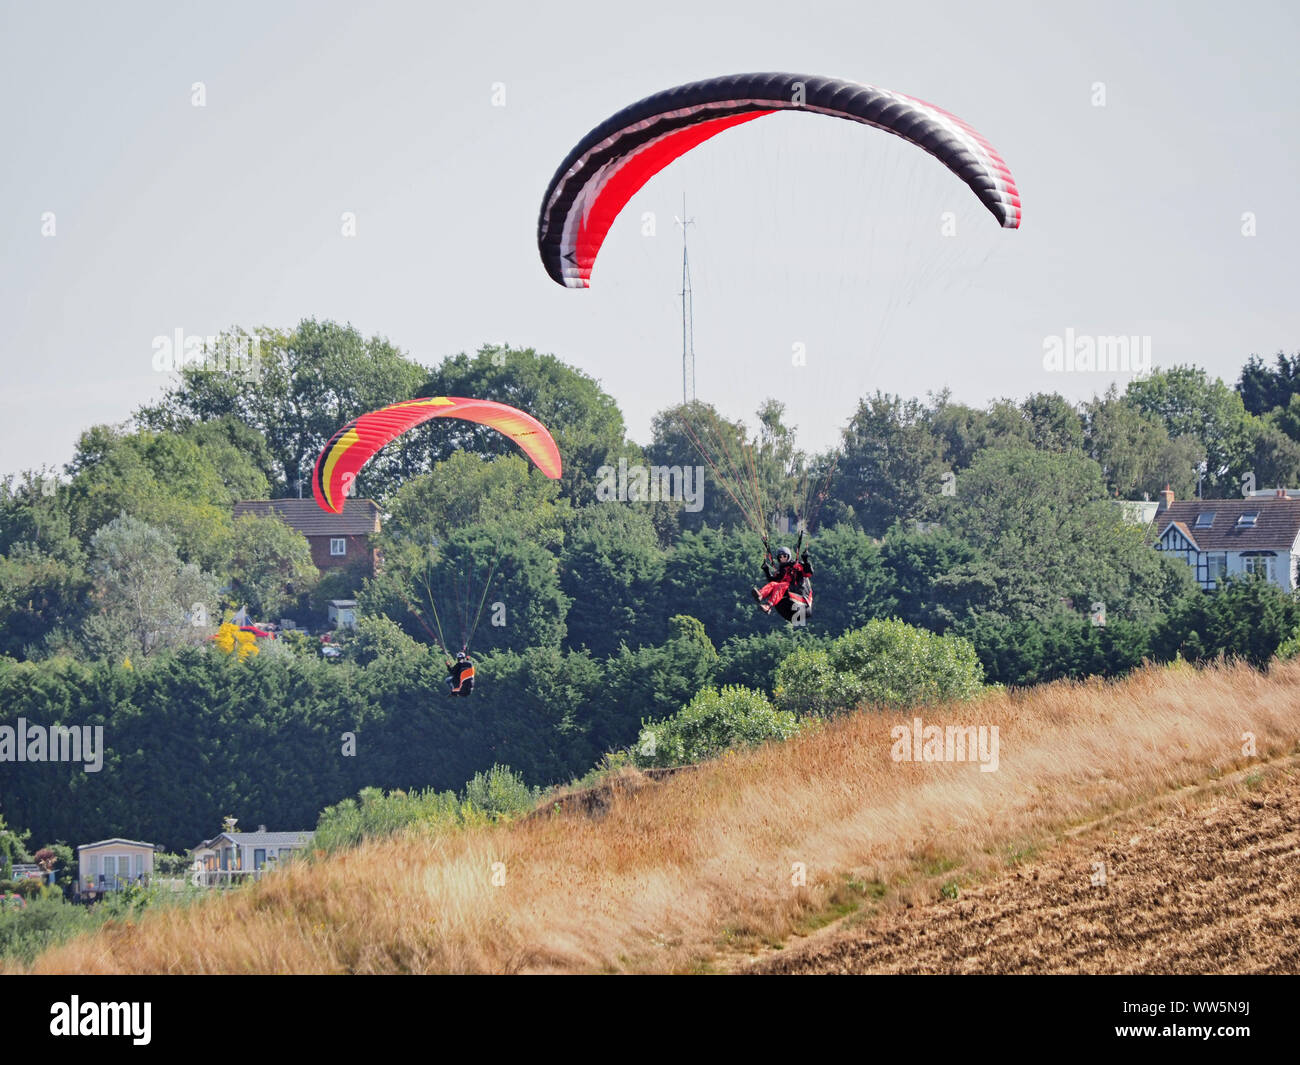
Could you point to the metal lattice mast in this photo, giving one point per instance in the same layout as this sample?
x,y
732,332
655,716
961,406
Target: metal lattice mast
x,y
688,315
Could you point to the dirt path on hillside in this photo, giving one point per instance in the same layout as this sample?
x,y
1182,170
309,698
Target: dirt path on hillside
x,y
1212,886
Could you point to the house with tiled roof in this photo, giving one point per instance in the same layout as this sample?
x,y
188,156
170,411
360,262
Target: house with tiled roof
x,y
1222,538
338,541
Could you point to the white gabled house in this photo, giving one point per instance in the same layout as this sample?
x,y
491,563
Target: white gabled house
x,y
113,864
233,857
1222,538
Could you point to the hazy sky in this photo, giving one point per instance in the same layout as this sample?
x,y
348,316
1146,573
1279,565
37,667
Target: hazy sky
x,y
807,230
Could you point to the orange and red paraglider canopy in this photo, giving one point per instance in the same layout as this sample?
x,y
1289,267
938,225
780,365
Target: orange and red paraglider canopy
x,y
357,442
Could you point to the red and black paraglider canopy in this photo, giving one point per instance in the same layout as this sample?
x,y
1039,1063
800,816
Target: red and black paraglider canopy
x,y
611,163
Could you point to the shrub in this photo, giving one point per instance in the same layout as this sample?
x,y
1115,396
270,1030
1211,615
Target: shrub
x,y
713,722
807,684
1289,648
753,660
499,792
373,815
43,922
886,664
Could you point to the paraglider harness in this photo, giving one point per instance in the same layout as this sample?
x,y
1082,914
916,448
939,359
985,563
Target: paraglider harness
x,y
460,675
794,577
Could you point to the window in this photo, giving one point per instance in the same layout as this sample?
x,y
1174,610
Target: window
x,y
137,866
1261,564
1247,521
259,857
338,545
1205,519
1218,568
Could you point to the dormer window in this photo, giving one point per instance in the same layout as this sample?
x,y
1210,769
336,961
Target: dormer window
x,y
1205,519
1247,521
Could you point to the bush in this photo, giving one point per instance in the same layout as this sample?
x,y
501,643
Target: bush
x,y
713,722
42,923
886,664
1289,648
374,815
753,660
806,683
500,792
377,636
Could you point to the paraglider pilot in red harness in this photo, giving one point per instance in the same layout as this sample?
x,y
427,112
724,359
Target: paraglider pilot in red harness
x,y
460,675
789,587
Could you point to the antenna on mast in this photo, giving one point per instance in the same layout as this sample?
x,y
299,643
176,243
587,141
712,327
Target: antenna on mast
x,y
688,315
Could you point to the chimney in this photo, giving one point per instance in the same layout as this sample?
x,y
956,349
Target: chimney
x,y
1166,498
261,828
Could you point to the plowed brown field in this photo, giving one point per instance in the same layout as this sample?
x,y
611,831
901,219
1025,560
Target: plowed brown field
x,y
1210,886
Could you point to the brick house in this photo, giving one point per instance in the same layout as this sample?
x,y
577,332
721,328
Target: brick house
x,y
1222,538
338,541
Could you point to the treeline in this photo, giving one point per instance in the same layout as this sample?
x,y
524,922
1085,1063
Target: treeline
x,y
190,736
589,614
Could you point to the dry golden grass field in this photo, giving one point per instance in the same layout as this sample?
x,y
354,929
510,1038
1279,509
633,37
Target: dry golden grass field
x,y
923,867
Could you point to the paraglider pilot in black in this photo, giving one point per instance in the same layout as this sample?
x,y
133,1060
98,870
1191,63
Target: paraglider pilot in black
x,y
460,675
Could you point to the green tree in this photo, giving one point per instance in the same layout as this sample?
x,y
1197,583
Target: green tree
x,y
1263,389
1053,423
752,661
1188,403
1274,457
147,598
12,849
658,681
892,465
1045,534
1135,452
696,435
584,419
485,585
308,382
270,565
163,479
926,579
463,490
710,571
611,570
1246,618
40,594
238,453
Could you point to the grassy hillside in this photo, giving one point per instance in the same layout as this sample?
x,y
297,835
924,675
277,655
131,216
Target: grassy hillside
x,y
692,872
